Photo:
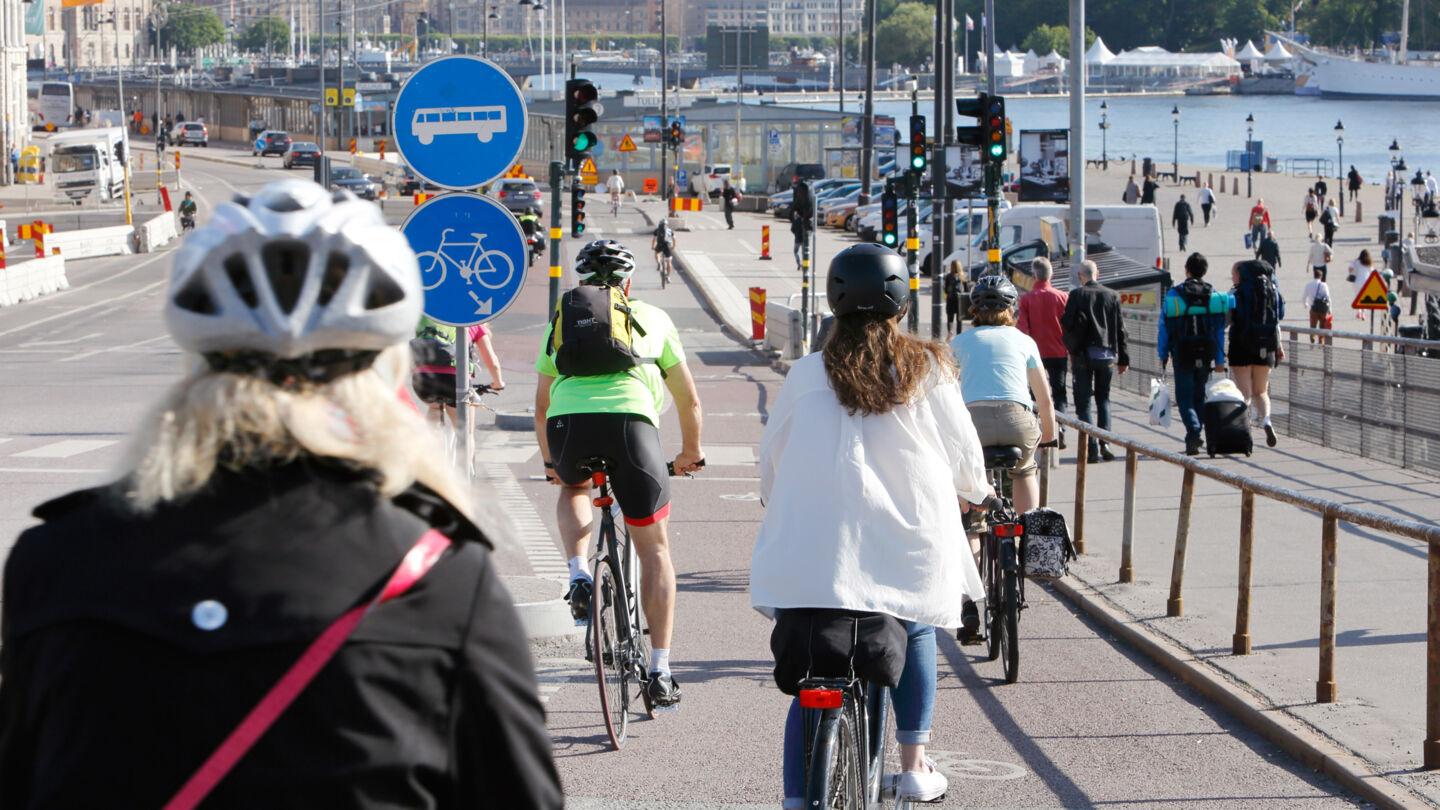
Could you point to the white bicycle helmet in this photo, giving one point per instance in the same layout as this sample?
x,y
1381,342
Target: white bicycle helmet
x,y
294,273
604,261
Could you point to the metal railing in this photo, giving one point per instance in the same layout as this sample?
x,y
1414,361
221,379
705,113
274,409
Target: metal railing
x,y
1330,513
1371,395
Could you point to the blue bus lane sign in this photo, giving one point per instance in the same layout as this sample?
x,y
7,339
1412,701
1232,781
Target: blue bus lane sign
x,y
472,257
459,122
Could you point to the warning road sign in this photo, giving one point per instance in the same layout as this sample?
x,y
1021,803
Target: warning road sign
x,y
1374,295
588,173
626,145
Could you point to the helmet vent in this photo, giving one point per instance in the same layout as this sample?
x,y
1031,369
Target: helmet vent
x,y
383,292
285,264
336,266
239,276
195,297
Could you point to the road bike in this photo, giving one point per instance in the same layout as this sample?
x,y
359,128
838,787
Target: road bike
x,y
452,430
614,203
663,267
618,641
847,728
481,266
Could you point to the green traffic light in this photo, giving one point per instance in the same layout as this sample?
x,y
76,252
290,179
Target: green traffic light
x,y
918,162
997,150
890,240
585,141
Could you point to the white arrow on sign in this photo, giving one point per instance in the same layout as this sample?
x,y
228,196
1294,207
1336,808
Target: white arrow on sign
x,y
484,307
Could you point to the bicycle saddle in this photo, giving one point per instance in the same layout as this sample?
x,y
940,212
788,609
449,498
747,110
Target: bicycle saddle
x,y
592,465
1002,457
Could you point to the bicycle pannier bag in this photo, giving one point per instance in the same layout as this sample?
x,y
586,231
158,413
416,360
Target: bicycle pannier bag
x,y
594,332
831,643
433,353
1045,544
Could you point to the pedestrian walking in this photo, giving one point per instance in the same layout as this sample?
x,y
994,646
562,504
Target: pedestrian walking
x,y
1259,223
1206,198
1330,221
1355,182
1147,191
1269,250
1319,258
1322,189
1311,209
280,484
1131,194
1359,271
1039,317
1182,217
1317,303
731,198
1432,189
954,284
1095,338
802,214
1192,333
1257,307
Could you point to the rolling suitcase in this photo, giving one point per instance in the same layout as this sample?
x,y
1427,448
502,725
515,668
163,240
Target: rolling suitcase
x,y
1227,428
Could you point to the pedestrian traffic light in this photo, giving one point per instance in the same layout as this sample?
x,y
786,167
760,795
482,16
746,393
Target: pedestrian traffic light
x,y
889,217
582,110
577,209
992,126
677,132
917,143
973,108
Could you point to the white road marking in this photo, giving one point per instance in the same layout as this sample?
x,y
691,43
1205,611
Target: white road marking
x,y
535,540
67,342
65,448
127,347
56,472
71,313
730,455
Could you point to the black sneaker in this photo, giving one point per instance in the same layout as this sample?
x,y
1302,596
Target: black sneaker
x,y
1270,435
969,632
1192,446
1105,453
579,597
663,690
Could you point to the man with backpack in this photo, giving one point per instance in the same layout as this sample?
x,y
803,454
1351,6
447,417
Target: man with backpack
x,y
1259,223
1192,332
1330,221
604,366
1094,335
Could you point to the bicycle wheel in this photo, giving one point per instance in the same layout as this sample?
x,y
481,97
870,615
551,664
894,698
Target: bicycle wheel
x,y
833,775
612,672
992,598
639,638
1009,615
664,276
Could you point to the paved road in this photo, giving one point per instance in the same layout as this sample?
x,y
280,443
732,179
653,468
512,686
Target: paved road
x,y
1090,723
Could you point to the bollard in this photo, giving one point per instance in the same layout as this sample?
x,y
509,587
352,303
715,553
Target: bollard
x,y
1127,531
765,242
1222,184
1329,553
1176,605
1081,441
165,198
1235,189
352,146
39,242
757,313
177,160
1357,210
1247,558
381,146
1210,181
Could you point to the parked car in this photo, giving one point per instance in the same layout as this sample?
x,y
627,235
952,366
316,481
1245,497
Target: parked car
x,y
781,203
711,180
191,132
406,181
301,153
519,194
349,178
791,172
271,142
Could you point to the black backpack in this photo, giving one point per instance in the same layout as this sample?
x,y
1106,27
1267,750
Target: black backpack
x,y
1193,310
432,349
1259,301
593,333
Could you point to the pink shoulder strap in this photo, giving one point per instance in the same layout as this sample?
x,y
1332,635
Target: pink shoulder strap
x,y
421,557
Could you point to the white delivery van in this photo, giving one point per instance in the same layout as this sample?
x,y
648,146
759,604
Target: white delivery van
x,y
1132,230
86,161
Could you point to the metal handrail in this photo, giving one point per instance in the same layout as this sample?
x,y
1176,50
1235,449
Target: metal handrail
x,y
1363,337
1330,512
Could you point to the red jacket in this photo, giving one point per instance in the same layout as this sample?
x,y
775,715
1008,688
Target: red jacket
x,y
1040,311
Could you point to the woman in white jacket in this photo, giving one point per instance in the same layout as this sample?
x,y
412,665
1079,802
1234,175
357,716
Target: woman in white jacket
x,y
867,445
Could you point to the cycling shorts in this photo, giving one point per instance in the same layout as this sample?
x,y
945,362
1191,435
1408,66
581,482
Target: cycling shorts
x,y
664,250
638,475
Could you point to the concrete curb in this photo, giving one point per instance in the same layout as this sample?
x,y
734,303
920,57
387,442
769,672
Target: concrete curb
x,y
1290,734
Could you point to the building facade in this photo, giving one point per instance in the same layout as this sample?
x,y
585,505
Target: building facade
x,y
785,18
14,127
84,37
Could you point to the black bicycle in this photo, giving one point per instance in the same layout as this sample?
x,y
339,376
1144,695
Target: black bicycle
x,y
618,641
845,733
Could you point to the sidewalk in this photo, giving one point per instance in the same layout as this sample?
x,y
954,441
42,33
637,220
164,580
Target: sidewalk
x,y
1371,736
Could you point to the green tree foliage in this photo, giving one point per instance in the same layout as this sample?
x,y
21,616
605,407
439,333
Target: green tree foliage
x,y
1177,25
906,36
267,32
191,27
1047,38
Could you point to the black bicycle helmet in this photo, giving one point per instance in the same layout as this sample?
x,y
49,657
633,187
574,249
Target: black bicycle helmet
x,y
993,292
868,278
604,261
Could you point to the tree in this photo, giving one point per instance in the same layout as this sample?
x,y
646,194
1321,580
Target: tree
x,y
191,27
907,36
266,33
1047,38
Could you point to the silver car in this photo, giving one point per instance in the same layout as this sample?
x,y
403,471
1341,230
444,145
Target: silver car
x,y
519,194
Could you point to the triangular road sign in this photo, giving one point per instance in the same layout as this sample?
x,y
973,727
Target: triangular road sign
x,y
588,167
1374,295
627,145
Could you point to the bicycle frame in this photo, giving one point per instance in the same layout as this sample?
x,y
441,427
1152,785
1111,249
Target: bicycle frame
x,y
615,553
825,704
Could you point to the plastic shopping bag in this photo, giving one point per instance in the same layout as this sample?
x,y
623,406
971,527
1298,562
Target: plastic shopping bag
x,y
1223,390
1159,403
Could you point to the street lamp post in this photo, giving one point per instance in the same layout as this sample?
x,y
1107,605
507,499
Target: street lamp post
x,y
1397,172
1340,166
1249,154
1175,163
1104,130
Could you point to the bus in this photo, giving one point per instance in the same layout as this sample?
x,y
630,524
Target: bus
x,y
57,106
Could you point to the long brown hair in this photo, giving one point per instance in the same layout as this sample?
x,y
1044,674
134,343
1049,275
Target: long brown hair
x,y
873,366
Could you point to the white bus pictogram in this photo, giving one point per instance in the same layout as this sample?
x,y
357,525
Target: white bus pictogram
x,y
482,122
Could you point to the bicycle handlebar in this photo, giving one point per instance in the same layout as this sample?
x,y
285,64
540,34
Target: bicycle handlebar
x,y
670,467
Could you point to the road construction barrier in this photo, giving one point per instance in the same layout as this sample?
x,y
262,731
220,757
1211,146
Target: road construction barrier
x,y
25,281
685,204
352,146
789,337
177,159
85,244
155,232
165,198
421,197
765,242
757,313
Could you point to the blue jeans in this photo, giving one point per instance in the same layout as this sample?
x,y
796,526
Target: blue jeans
x,y
1092,378
1257,232
913,700
1190,398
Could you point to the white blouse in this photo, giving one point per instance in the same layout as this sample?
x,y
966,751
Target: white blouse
x,y
861,512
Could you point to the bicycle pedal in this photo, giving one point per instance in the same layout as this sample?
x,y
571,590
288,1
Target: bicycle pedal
x,y
582,622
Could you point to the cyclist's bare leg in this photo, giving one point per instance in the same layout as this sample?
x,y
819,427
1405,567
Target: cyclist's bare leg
x,y
574,515
657,580
1025,491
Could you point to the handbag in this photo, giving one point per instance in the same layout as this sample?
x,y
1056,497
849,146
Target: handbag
x,y
417,561
1045,544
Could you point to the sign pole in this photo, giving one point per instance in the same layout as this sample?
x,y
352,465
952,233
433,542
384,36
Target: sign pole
x,y
556,171
462,392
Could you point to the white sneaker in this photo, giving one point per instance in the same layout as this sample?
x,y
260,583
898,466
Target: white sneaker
x,y
916,786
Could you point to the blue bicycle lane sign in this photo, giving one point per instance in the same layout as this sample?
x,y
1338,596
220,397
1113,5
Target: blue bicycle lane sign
x,y
459,122
472,257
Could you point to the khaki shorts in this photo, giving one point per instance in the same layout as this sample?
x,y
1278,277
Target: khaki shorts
x,y
1008,423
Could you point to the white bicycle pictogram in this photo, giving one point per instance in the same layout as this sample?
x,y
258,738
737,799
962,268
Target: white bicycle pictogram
x,y
478,267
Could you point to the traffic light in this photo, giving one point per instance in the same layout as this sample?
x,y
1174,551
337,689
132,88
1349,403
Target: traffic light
x,y
973,108
889,217
677,132
917,143
577,209
120,151
582,110
992,126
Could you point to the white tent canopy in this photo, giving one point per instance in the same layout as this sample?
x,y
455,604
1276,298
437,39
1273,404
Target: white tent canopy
x,y
1249,52
1278,53
1098,53
1152,62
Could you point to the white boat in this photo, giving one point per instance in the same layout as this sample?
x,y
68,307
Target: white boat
x,y
1335,76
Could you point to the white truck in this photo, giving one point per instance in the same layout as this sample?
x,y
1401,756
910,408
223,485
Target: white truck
x,y
86,161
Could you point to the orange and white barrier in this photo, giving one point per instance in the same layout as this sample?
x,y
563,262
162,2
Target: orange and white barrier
x,y
764,244
757,313
685,204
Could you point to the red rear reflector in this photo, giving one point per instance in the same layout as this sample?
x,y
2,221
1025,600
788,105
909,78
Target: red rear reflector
x,y
1009,530
821,698
603,502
